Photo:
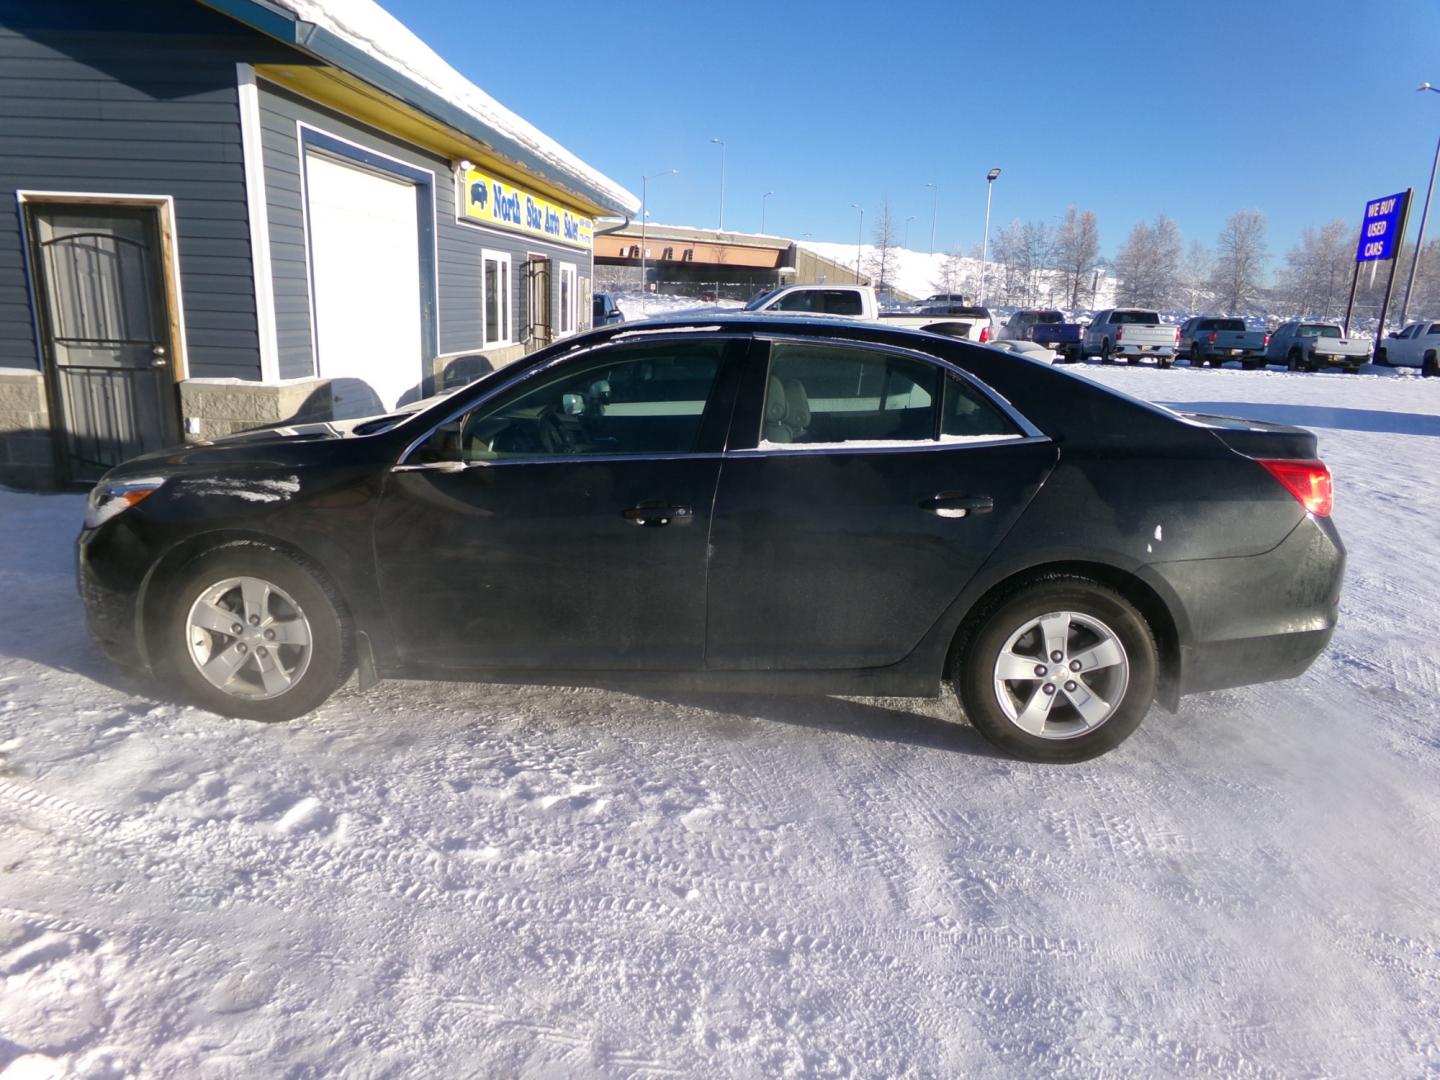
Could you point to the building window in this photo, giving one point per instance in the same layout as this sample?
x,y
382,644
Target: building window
x,y
569,292
497,299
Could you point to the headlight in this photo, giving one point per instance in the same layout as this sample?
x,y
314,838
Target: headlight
x,y
109,498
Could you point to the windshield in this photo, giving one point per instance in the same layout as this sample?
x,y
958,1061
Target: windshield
x,y
1126,318
761,300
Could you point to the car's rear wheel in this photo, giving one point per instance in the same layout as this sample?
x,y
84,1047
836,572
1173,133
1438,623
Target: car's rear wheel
x,y
252,633
1294,360
1063,670
1430,367
1105,351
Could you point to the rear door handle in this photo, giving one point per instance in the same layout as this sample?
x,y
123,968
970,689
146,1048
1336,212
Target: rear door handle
x,y
654,515
949,504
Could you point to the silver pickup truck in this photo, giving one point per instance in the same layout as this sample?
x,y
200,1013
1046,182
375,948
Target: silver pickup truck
x,y
1310,346
1213,339
1131,333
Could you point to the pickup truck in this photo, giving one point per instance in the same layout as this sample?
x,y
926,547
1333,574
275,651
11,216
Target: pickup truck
x,y
1131,333
1023,324
1213,339
1065,339
1418,345
1309,346
859,302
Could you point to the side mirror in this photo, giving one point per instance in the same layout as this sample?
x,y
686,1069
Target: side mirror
x,y
572,404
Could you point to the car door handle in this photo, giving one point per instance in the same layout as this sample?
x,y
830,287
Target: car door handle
x,y
654,515
948,504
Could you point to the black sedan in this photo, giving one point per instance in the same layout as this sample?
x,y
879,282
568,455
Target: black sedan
x,y
741,502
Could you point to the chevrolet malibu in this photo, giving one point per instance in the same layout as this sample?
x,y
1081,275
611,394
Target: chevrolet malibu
x,y
749,503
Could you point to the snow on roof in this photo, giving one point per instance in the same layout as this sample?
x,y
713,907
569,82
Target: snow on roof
x,y
367,26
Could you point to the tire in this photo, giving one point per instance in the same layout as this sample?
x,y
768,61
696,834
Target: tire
x,y
1162,363
1430,366
271,678
1252,365
1098,618
1383,359
1105,351
1294,360
1195,360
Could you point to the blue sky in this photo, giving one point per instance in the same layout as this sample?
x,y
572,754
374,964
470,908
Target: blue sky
x,y
1302,110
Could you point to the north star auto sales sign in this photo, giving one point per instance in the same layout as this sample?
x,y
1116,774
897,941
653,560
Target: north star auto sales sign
x,y
489,201
1380,229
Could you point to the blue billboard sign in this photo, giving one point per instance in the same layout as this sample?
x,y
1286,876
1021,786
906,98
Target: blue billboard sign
x,y
1380,229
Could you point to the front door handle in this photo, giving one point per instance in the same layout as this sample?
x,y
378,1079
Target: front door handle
x,y
949,504
654,515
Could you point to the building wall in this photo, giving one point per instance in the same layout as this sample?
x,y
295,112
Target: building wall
x,y
135,98
458,244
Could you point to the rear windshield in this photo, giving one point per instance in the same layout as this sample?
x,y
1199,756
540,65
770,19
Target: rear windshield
x,y
956,309
1223,324
1319,330
1128,317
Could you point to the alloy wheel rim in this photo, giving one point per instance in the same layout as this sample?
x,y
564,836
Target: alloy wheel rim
x,y
248,638
1061,675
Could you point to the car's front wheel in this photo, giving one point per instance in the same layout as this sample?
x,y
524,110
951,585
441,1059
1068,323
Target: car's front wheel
x,y
1061,671
250,632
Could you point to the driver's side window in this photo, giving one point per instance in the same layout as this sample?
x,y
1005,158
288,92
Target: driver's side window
x,y
635,399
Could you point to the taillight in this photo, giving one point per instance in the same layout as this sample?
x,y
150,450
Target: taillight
x,y
1177,336
1309,481
1212,338
1266,342
1119,332
984,334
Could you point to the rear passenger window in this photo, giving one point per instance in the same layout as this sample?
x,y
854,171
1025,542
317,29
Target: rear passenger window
x,y
837,396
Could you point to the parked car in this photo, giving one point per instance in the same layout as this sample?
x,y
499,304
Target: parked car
x,y
1418,345
607,312
1213,339
1310,346
1022,324
1131,333
946,317
764,504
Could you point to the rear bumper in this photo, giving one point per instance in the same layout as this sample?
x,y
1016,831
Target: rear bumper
x,y
1123,349
1258,618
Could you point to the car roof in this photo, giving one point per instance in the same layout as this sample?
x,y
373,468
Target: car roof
x,y
809,322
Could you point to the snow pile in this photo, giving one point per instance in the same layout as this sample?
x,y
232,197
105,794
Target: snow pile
x,y
449,879
370,28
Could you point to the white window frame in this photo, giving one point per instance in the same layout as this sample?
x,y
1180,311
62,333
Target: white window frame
x,y
506,264
569,320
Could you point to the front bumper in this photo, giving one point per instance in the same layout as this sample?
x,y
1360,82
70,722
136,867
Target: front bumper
x,y
111,606
1258,618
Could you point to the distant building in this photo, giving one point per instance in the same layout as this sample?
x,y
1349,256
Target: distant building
x,y
234,213
685,261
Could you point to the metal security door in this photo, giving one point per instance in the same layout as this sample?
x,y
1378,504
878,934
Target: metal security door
x,y
537,277
106,333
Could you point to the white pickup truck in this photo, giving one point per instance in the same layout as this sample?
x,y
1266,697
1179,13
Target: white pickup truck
x,y
1418,345
1131,333
859,302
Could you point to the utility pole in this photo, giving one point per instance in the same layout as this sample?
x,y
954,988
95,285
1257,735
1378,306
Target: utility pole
x,y
1424,215
934,210
859,239
906,242
721,144
985,244
762,209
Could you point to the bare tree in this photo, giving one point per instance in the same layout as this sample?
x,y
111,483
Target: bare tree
x,y
1024,253
1148,265
1195,273
1240,253
880,262
1316,278
1077,252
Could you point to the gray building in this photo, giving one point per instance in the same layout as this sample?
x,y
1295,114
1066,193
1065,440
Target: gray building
x,y
227,215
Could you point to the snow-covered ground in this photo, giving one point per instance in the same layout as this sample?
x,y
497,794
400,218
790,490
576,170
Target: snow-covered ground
x,y
440,880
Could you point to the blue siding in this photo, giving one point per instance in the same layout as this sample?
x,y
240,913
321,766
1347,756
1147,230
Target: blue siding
x,y
134,98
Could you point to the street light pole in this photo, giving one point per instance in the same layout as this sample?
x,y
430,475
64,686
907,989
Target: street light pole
x,y
985,244
721,144
644,221
906,242
934,210
859,238
762,210
1424,214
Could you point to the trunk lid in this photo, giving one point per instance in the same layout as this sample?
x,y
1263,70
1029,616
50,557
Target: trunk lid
x,y
1258,438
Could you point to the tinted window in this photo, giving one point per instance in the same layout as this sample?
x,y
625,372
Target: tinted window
x,y
832,395
841,302
801,300
1434,328
1319,330
1126,318
646,399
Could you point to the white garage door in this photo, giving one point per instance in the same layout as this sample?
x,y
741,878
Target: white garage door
x,y
365,273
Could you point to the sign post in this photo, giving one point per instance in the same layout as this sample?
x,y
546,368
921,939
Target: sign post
x,y
1382,232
